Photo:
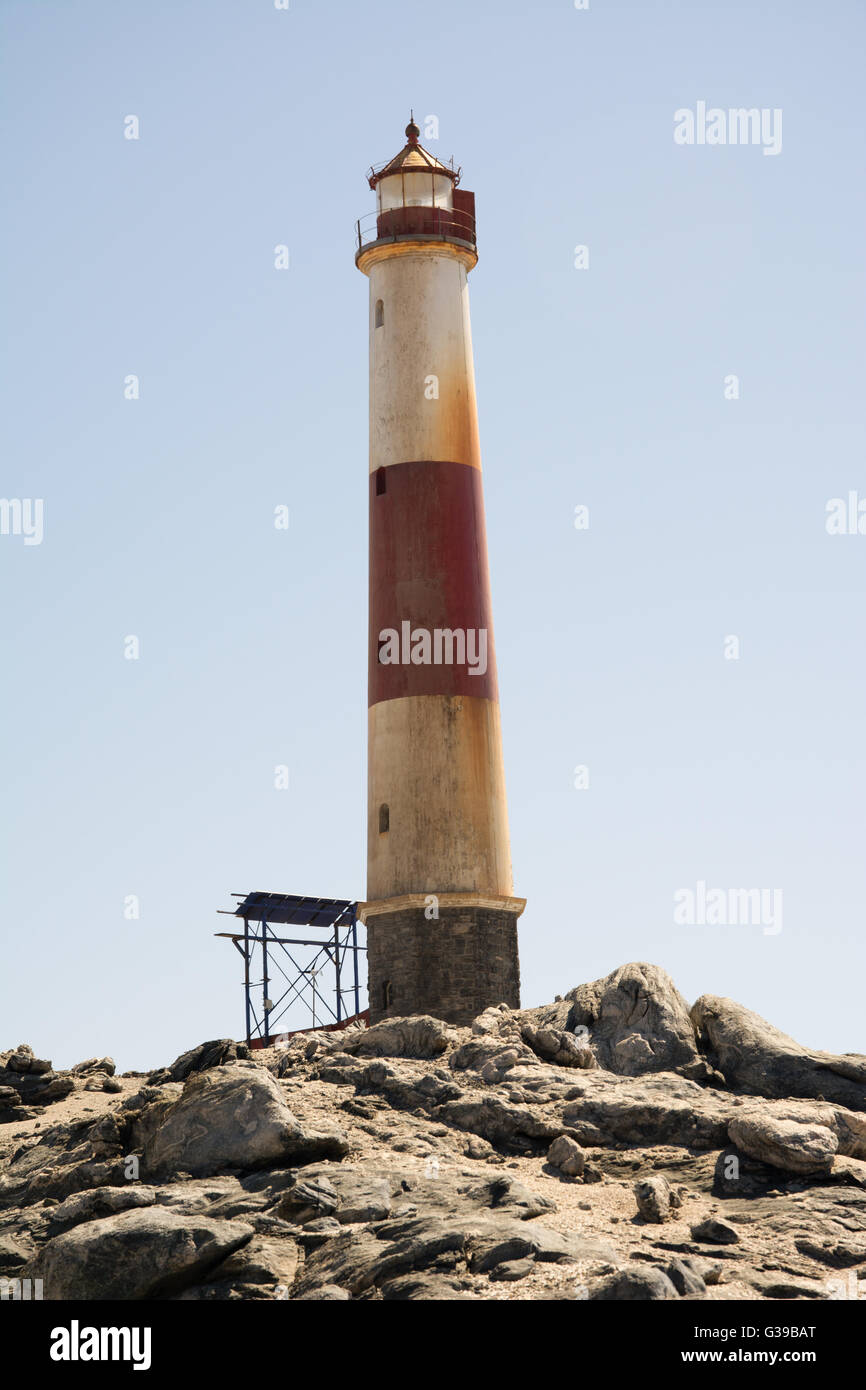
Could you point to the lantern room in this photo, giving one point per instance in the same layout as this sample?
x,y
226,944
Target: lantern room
x,y
417,196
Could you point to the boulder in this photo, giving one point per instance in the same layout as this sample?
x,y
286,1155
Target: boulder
x,y
637,1022
265,1259
150,1253
656,1199
233,1116
662,1109
712,1231
208,1054
308,1200
23,1061
686,1277
567,1156
511,1270
106,1065
559,1046
760,1059
421,1036
101,1202
423,1288
634,1284
797,1148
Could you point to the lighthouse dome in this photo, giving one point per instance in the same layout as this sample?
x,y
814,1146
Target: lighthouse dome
x,y
413,178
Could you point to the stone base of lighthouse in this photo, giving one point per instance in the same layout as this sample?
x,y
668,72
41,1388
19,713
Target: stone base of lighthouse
x,y
452,966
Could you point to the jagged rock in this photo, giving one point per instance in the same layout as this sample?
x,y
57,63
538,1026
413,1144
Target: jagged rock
x,y
263,1260
511,1271
23,1061
499,1121
420,1036
309,1200
221,1196
137,1254
634,1284
478,1052
477,1240
686,1277
823,1217
101,1202
233,1116
105,1065
64,1159
363,1199
715,1232
36,1087
494,1021
783,1144
662,1109
656,1199
422,1287
567,1156
559,1047
555,1015
839,1254
760,1059
416,1213
208,1054
638,1022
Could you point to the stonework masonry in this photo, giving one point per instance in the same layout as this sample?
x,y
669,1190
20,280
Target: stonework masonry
x,y
452,967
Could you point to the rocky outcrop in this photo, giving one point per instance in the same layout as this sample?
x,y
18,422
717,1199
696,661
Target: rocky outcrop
x,y
27,1080
201,1058
755,1057
637,1022
137,1254
420,1036
590,1149
797,1148
233,1116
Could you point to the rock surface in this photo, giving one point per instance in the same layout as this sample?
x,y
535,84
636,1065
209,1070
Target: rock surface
x,y
608,1146
233,1116
756,1057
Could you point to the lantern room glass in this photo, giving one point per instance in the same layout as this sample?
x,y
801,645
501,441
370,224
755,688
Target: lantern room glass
x,y
415,188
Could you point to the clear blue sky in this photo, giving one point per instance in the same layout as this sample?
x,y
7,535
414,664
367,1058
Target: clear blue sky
x,y
602,387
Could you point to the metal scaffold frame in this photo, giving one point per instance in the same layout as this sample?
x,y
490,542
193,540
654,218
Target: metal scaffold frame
x,y
338,917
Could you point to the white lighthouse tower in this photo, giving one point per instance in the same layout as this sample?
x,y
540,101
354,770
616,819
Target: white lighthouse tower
x,y
441,915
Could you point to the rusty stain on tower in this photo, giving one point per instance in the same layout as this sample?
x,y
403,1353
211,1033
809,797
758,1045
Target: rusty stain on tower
x,y
440,912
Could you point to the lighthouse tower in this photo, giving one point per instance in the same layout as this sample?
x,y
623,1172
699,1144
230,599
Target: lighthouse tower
x,y
441,916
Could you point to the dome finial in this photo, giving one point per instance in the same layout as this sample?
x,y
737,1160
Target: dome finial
x,y
412,131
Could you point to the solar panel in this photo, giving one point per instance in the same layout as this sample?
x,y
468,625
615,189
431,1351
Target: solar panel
x,y
295,909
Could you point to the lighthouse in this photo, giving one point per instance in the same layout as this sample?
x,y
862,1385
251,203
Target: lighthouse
x,y
441,914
